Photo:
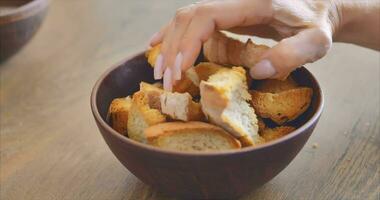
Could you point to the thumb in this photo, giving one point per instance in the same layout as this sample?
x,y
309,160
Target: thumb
x,y
305,47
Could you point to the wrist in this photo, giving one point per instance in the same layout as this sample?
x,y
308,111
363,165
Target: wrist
x,y
357,21
337,21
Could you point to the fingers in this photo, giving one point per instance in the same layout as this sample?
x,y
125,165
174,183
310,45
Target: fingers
x,y
182,39
307,46
168,86
220,15
261,30
171,42
157,37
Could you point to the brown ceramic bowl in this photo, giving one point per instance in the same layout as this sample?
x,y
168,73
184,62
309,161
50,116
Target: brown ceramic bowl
x,y
215,175
19,20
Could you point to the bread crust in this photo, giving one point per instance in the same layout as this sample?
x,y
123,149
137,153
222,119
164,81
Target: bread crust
x,y
152,53
141,116
152,92
118,113
261,124
192,77
284,106
186,85
270,134
216,101
275,86
153,133
224,50
180,106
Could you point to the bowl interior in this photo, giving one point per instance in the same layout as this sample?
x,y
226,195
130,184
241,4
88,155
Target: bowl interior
x,y
123,80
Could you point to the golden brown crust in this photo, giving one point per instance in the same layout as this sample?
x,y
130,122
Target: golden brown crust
x,y
224,50
270,134
152,54
284,106
202,71
121,107
195,112
153,93
205,69
141,116
275,86
210,92
252,53
247,142
118,112
180,106
163,129
261,124
217,98
141,102
158,85
186,85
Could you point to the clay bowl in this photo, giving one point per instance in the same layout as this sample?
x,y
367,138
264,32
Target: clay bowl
x,y
217,175
19,20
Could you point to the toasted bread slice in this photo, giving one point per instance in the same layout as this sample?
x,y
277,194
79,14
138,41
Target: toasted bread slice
x,y
193,76
224,50
204,70
153,93
141,115
158,85
118,113
152,54
270,134
190,137
224,99
186,84
180,106
284,106
275,86
261,124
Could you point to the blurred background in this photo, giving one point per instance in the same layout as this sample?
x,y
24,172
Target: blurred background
x,y
51,148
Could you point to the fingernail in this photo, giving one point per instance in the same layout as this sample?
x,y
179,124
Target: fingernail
x,y
183,67
168,85
158,67
262,70
177,67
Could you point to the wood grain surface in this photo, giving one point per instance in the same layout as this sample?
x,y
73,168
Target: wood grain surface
x,y
51,148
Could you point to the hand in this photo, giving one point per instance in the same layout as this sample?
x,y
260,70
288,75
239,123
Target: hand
x,y
304,28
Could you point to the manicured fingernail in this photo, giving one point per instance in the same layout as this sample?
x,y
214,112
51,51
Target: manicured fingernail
x,y
153,38
262,70
183,67
177,66
168,85
158,67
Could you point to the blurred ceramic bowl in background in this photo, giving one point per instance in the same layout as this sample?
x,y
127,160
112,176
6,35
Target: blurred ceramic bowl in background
x,y
19,21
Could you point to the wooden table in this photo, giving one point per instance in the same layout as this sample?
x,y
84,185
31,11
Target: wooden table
x,y
51,148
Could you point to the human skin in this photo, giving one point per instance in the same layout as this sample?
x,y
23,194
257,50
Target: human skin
x,y
305,30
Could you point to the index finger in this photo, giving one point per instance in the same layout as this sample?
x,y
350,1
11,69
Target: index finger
x,y
219,15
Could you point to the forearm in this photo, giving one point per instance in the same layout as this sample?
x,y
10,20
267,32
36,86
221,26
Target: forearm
x,y
359,22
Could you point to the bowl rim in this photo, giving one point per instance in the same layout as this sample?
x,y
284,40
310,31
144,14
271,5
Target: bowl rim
x,y
23,11
146,147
